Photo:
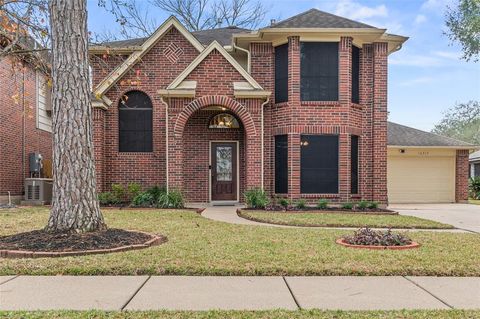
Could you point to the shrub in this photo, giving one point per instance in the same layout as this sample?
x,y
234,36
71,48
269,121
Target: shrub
x,y
107,198
363,204
372,205
367,236
322,204
156,191
284,202
347,205
118,192
474,187
171,199
301,204
133,189
256,198
143,199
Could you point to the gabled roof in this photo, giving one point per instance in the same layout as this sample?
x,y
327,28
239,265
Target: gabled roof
x,y
120,71
400,135
214,46
205,37
315,18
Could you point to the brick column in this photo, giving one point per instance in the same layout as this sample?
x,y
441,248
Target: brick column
x,y
294,108
98,114
366,101
461,176
294,165
345,97
380,57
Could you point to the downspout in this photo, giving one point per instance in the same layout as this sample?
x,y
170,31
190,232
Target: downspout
x,y
262,138
248,56
166,141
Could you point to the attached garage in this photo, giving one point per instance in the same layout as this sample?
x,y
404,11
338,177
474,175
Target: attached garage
x,y
422,167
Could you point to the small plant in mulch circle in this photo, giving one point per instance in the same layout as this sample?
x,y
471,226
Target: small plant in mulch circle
x,y
369,237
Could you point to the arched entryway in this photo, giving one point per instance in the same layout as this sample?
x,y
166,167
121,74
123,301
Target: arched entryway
x,y
213,162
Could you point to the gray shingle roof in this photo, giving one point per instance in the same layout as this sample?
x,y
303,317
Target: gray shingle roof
x,y
475,156
401,135
315,18
222,35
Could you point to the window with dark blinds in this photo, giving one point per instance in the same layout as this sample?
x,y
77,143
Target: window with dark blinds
x,y
354,164
135,123
319,71
281,164
319,164
355,74
281,73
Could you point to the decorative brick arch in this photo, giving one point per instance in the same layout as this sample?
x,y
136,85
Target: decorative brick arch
x,y
221,100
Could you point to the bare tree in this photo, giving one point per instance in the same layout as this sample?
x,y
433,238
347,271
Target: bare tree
x,y
208,14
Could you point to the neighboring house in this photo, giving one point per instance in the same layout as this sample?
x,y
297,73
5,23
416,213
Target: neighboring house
x,y
475,164
26,123
425,167
298,108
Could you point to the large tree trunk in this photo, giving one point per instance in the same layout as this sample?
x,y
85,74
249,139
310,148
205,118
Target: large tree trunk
x,y
75,206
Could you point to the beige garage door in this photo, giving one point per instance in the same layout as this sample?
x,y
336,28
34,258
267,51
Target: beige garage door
x,y
421,179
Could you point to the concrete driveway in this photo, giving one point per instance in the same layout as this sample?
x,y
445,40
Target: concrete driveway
x,y
463,216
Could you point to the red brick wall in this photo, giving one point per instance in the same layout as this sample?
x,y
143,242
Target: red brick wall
x,y
461,176
18,133
196,144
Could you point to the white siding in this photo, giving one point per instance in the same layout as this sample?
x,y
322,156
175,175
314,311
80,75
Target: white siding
x,y
44,118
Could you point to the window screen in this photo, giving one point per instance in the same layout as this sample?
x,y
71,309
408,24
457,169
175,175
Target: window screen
x,y
354,164
281,73
135,122
319,164
355,74
319,71
281,164
477,170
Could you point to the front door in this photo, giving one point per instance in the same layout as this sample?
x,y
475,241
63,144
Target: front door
x,y
224,170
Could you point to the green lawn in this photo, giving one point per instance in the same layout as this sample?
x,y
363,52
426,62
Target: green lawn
x,y
474,201
341,220
199,246
276,314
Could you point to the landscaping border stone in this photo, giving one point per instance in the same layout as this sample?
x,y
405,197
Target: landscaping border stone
x,y
341,241
154,241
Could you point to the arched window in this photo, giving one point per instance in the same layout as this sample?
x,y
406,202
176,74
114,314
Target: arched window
x,y
135,123
223,120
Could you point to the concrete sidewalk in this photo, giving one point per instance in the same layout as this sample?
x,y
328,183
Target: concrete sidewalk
x,y
237,293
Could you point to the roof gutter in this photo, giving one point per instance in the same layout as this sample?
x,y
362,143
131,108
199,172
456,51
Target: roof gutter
x,y
463,147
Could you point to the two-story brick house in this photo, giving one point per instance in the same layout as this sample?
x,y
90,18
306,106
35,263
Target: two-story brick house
x,y
298,108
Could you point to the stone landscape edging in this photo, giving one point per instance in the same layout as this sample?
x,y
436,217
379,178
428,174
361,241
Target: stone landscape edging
x,y
341,241
154,241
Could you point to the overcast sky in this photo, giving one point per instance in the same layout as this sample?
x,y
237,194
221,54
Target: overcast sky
x,y
425,78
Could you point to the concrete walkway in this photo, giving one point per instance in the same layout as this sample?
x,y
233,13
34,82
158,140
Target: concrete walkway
x,y
462,216
237,293
228,214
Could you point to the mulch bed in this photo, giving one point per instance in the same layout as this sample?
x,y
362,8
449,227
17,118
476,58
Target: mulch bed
x,y
38,243
412,245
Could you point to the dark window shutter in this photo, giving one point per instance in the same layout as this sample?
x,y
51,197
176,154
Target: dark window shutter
x,y
319,164
319,71
281,73
355,74
354,164
135,123
281,164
